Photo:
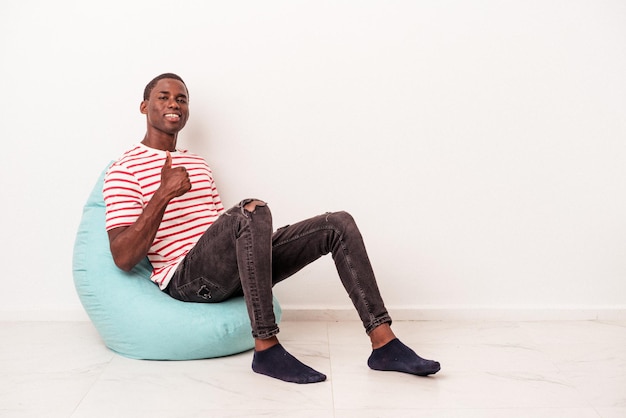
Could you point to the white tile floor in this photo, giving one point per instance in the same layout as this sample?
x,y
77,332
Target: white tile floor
x,y
489,369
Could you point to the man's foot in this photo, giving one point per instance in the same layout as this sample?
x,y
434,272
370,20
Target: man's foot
x,y
276,362
397,357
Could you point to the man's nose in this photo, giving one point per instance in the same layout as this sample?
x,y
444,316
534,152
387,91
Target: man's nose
x,y
173,104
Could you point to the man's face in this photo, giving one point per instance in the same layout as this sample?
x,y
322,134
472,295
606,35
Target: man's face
x,y
167,108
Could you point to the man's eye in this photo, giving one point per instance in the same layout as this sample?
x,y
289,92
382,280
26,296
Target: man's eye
x,y
162,98
182,100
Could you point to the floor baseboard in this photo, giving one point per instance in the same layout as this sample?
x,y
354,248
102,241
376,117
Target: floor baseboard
x,y
424,313
456,313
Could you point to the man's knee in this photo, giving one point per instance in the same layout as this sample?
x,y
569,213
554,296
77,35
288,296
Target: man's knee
x,y
252,204
342,219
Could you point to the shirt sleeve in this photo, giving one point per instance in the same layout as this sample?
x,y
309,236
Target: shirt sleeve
x,y
122,197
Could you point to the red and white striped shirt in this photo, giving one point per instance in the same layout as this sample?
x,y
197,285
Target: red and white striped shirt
x,y
131,182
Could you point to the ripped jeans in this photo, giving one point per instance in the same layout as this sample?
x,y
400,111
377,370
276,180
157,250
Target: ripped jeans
x,y
240,254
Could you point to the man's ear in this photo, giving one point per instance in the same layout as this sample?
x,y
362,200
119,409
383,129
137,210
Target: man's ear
x,y
143,107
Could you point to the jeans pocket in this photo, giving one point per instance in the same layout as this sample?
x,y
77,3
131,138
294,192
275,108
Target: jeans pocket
x,y
201,290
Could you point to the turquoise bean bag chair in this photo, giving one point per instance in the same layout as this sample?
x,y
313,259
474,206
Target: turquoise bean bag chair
x,y
137,320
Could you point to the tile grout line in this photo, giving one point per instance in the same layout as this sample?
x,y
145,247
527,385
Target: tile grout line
x,y
93,384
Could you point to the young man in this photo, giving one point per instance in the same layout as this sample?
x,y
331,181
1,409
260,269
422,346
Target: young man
x,y
163,203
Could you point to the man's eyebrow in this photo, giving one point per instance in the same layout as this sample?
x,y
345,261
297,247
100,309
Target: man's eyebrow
x,y
167,92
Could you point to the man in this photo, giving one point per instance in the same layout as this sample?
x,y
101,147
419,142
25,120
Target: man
x,y
163,203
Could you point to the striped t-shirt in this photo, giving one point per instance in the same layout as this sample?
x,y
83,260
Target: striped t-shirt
x,y
129,185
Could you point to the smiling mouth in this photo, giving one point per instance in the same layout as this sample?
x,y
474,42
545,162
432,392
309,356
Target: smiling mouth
x,y
172,116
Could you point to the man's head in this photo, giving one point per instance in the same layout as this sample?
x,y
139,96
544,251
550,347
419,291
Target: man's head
x,y
165,104
155,80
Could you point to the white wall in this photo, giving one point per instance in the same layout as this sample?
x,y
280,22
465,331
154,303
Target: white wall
x,y
480,144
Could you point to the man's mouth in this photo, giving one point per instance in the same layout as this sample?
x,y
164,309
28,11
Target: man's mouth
x,y
172,117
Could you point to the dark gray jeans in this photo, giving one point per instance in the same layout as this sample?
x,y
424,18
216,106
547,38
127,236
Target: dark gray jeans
x,y
240,254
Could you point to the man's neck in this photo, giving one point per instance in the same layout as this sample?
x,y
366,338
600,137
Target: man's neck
x,y
160,142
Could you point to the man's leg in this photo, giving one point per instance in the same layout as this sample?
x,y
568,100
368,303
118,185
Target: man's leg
x,y
254,255
234,255
296,246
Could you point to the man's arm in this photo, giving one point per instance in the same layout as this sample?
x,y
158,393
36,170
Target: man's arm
x,y
130,244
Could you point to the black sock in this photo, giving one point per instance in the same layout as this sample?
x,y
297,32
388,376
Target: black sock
x,y
397,357
278,363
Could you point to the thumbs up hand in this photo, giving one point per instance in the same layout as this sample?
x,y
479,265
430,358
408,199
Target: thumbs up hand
x,y
174,181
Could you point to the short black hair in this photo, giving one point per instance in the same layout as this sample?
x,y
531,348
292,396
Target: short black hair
x,y
155,80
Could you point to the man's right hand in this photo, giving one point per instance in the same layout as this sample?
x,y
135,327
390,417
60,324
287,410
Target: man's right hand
x,y
174,181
